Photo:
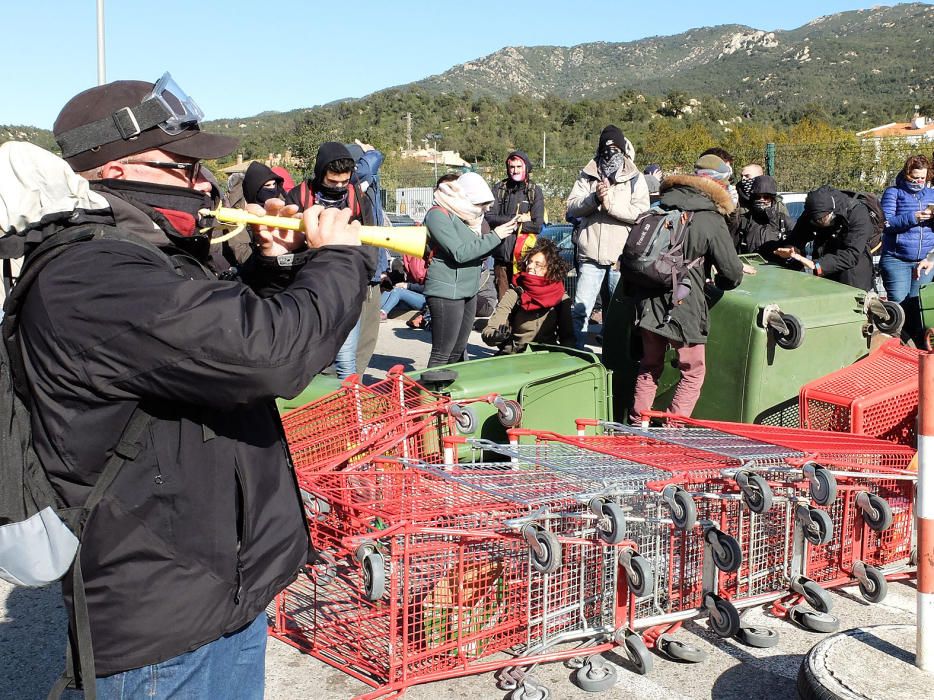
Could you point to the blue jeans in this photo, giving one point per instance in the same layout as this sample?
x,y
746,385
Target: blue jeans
x,y
233,666
901,286
346,361
389,300
589,279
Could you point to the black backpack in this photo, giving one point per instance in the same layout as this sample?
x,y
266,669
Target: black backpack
x,y
40,538
876,215
653,257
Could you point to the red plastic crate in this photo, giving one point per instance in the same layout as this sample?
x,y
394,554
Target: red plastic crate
x,y
876,396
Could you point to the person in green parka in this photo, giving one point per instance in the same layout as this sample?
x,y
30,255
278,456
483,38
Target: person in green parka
x,y
456,248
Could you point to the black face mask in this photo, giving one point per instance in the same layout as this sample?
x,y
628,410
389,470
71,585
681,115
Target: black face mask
x,y
331,196
174,209
269,193
744,186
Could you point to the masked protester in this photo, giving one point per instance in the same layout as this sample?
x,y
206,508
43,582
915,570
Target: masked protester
x,y
763,221
907,240
607,197
203,524
515,194
839,227
536,309
261,183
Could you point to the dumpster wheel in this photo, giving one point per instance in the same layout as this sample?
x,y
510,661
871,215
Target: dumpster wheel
x,y
793,336
893,320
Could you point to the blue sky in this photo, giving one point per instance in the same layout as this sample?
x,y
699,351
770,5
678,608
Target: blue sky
x,y
238,58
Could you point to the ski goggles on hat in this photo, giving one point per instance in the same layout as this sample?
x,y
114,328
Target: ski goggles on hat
x,y
166,106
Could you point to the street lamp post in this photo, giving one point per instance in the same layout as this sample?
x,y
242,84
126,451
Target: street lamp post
x,y
434,158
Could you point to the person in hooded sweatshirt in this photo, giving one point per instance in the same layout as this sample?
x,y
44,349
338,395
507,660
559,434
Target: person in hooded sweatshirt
x,y
705,201
762,220
608,196
515,194
839,227
332,185
258,184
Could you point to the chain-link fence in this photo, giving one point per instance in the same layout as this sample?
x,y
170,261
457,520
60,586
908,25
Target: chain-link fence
x,y
868,165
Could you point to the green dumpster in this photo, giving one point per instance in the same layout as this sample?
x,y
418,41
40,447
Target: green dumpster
x,y
779,330
553,386
322,384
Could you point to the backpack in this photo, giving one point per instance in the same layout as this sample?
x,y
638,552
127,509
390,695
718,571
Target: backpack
x,y
653,256
40,538
876,215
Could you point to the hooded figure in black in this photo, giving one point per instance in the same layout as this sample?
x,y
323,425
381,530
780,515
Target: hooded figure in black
x,y
333,161
515,194
256,187
840,228
763,220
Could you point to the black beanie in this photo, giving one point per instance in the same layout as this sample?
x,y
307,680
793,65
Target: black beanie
x,y
612,136
820,201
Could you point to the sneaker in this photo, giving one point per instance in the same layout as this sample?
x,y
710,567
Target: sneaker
x,y
382,316
415,321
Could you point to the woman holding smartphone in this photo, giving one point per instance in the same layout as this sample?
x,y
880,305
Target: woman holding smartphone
x,y
456,248
907,240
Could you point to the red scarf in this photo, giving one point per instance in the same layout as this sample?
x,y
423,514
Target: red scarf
x,y
538,292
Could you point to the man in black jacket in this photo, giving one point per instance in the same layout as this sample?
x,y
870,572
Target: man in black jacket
x,y
840,228
515,194
764,219
204,526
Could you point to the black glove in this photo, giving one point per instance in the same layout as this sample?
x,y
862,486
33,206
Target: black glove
x,y
502,334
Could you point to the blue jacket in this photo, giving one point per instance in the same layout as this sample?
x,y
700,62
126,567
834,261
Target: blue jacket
x,y
904,237
367,171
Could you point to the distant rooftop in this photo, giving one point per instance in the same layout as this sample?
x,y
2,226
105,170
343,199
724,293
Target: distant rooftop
x,y
918,128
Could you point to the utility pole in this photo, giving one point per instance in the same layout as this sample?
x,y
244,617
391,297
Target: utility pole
x,y
544,143
101,77
408,131
435,138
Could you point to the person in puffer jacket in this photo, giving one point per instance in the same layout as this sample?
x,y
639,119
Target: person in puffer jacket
x,y
907,239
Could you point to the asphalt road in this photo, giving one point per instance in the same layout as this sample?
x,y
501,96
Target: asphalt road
x,y
32,630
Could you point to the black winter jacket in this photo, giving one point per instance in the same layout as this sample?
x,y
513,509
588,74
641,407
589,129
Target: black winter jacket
x,y
842,250
205,526
757,227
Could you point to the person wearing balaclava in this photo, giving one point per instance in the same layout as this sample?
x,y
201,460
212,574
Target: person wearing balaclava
x,y
763,220
332,186
456,248
609,195
261,183
840,227
515,194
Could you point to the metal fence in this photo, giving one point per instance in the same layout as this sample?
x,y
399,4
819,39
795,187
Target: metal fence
x,y
856,164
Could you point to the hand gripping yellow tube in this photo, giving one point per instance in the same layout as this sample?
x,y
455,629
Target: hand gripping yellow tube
x,y
407,240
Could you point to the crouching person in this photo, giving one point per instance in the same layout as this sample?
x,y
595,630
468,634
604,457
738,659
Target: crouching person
x,y
663,321
536,309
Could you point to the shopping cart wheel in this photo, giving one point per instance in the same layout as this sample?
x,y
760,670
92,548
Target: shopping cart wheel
x,y
876,511
823,484
465,419
596,675
374,576
679,651
813,621
639,576
683,510
793,336
820,528
723,617
816,596
758,637
638,654
509,413
727,555
529,690
756,492
549,559
872,585
611,527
